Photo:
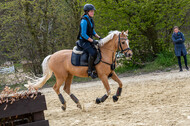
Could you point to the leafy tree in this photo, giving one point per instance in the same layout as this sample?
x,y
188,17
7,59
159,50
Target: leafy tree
x,y
30,30
150,22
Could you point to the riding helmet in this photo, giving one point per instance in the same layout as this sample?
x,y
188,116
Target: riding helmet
x,y
88,7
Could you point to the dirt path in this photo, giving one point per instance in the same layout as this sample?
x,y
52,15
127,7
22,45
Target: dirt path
x,y
155,99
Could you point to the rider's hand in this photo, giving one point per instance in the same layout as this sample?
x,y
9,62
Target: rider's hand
x,y
95,42
100,38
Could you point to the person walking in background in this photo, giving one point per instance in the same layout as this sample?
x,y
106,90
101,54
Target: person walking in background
x,y
180,50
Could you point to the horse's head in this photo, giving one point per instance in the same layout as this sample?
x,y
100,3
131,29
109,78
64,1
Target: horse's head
x,y
123,44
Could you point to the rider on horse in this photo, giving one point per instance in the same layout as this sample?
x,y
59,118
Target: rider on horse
x,y
85,37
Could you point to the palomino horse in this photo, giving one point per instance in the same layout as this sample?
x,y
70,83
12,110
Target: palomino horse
x,y
60,64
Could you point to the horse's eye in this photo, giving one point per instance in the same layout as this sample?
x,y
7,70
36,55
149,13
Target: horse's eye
x,y
123,42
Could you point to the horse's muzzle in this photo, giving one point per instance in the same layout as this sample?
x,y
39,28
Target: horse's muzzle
x,y
128,54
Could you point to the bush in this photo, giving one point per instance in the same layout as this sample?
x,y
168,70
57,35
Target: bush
x,y
127,65
162,61
165,59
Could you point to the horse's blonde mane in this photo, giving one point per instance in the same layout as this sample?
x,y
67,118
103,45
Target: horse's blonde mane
x,y
108,37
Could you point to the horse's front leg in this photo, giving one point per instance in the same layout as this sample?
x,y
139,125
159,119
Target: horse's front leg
x,y
118,93
104,79
67,90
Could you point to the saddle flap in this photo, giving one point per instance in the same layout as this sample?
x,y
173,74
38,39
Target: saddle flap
x,y
82,59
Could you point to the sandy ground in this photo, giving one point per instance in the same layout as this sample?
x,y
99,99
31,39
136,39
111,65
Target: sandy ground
x,y
155,99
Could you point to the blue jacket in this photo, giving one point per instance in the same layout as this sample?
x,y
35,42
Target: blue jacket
x,y
83,25
178,40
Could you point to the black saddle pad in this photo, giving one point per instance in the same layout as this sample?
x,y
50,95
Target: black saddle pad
x,y
82,59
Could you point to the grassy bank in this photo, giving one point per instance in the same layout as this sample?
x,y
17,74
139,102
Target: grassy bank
x,y
165,61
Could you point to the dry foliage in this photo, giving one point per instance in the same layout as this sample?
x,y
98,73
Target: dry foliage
x,y
9,95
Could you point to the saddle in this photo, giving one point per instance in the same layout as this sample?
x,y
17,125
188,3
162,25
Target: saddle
x,y
80,58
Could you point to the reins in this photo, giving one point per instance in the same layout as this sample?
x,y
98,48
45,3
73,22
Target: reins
x,y
112,57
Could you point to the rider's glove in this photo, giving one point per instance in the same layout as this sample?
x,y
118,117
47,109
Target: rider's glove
x,y
100,38
95,42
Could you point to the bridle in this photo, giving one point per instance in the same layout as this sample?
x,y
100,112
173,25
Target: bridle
x,y
121,51
119,45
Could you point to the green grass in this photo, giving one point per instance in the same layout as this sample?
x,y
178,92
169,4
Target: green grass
x,y
79,79
164,62
18,66
126,68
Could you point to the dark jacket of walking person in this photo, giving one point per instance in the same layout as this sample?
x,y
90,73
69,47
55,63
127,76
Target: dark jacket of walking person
x,y
180,50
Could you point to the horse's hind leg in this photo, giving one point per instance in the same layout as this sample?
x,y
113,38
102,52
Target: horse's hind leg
x,y
67,90
104,79
118,93
56,87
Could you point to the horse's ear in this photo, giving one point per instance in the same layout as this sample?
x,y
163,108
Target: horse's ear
x,y
122,32
126,32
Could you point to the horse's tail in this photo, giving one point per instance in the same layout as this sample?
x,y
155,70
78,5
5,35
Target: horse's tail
x,y
47,72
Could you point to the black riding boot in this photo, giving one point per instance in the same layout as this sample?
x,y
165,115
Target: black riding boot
x,y
90,67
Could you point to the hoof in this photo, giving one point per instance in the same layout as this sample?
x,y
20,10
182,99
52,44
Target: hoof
x,y
79,105
63,107
115,98
98,101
